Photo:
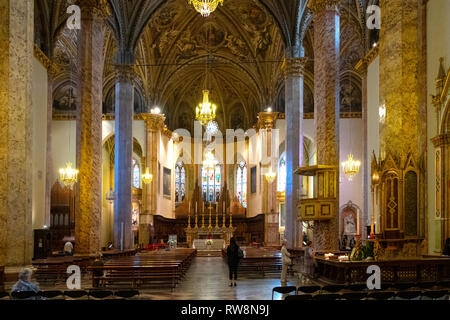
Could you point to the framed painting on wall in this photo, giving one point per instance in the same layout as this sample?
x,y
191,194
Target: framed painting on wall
x,y
253,179
167,175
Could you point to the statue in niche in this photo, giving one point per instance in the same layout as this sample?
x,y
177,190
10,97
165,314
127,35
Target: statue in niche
x,y
349,225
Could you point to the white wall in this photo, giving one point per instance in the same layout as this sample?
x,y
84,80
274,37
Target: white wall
x,y
166,206
39,144
438,45
351,133
63,145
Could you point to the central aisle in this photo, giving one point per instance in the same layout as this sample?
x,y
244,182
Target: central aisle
x,y
207,279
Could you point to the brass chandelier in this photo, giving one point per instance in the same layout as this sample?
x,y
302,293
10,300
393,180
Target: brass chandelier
x,y
205,7
206,111
147,177
68,175
210,162
351,167
270,176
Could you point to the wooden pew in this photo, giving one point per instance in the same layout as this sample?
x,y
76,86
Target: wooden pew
x,y
151,268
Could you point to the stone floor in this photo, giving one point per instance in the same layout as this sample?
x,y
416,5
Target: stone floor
x,y
206,279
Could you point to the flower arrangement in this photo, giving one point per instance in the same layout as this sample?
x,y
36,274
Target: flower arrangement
x,y
209,242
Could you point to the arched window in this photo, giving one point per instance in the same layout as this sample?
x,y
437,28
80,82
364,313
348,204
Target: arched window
x,y
211,184
241,184
136,174
282,173
180,182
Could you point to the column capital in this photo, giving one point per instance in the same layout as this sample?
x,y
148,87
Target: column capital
x,y
267,120
93,8
125,73
323,5
154,121
294,67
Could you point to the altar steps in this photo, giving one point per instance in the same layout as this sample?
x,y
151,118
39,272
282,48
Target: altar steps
x,y
209,253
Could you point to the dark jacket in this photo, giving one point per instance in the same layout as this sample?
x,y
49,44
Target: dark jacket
x,y
233,255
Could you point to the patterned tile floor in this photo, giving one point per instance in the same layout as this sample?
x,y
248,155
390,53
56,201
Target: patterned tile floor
x,y
206,279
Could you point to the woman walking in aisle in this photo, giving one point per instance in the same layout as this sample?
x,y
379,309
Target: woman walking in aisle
x,y
234,254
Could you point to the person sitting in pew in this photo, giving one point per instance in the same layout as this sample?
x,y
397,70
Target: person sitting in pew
x,y
25,284
97,273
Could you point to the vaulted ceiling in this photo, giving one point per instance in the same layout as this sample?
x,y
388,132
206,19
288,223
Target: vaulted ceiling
x,y
236,53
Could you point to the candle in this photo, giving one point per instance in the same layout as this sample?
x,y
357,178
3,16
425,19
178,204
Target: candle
x,y
357,224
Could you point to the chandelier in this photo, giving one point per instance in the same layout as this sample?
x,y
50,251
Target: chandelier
x,y
209,163
147,177
270,176
206,111
205,7
351,167
68,175
110,196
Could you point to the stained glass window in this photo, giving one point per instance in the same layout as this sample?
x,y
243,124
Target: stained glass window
x,y
211,184
180,182
282,173
136,174
241,184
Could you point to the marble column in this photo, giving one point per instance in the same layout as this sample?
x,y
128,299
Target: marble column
x,y
293,73
88,206
123,235
16,53
154,123
327,107
361,67
399,81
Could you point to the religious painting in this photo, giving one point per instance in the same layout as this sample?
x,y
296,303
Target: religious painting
x,y
64,100
167,175
253,179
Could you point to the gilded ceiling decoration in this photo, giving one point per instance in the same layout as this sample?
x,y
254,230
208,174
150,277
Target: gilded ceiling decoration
x,y
244,42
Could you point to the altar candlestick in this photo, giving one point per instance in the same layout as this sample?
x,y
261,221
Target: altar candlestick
x,y
210,208
217,215
189,216
357,224
223,216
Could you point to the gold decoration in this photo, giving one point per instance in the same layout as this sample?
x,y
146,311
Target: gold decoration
x,y
270,176
147,177
205,7
209,163
351,167
206,111
68,175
